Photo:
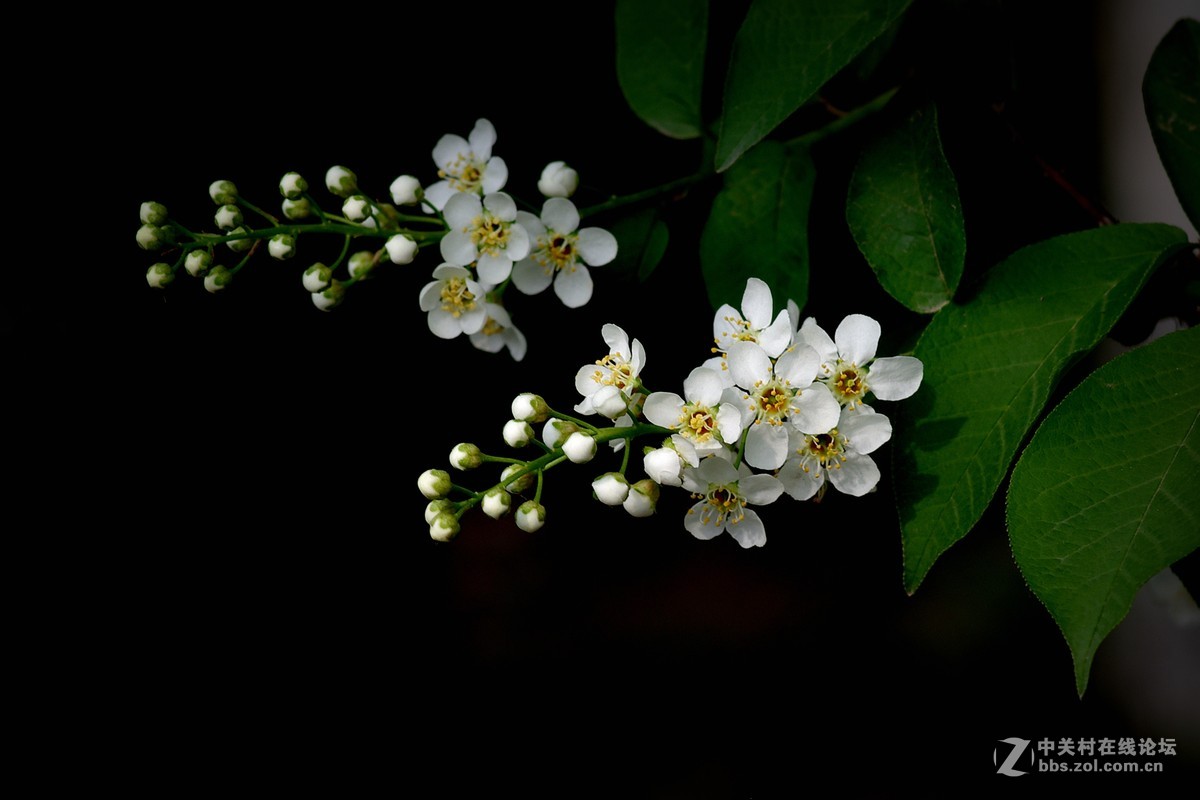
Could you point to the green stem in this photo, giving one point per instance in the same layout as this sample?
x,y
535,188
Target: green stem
x,y
250,206
646,194
845,121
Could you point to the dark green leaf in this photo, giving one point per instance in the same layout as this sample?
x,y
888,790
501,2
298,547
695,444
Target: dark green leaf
x,y
990,366
1171,91
1104,497
902,208
758,226
784,52
642,241
660,62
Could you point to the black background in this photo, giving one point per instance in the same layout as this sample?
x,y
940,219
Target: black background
x,y
271,606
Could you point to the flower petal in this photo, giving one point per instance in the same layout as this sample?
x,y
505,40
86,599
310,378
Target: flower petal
x,y
857,476
531,277
448,149
617,340
437,194
895,378
748,364
798,366
760,490
431,295
696,526
518,242
703,386
474,320
517,345
815,337
798,483
663,408
767,446
560,215
574,287
717,471
857,337
495,175
493,269
776,338
501,205
461,210
596,246
815,410
481,138
725,327
444,324
865,431
457,248
749,530
532,225
757,303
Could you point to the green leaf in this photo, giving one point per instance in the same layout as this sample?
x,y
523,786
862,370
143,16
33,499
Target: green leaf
x,y
990,366
784,52
660,62
642,241
1171,92
903,210
1104,497
758,226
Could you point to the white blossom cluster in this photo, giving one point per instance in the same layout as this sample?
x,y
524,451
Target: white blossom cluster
x,y
780,409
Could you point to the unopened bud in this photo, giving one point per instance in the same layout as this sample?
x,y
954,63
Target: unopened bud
x,y
611,488
282,246
436,507
159,275
223,192
401,249
317,277
357,208
444,527
557,430
642,499
517,433
217,279
292,185
406,190
496,503
520,484
153,213
300,208
330,298
197,263
579,447
531,516
434,483
341,181
152,237
240,245
228,217
530,408
558,180
465,456
361,263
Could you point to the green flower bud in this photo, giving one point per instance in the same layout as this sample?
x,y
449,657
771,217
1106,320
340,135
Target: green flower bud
x,y
531,516
197,263
300,208
153,213
357,207
240,245
317,277
465,456
217,279
496,502
341,181
152,237
159,275
530,408
330,298
436,507
228,217
282,246
223,192
444,527
520,484
292,185
434,483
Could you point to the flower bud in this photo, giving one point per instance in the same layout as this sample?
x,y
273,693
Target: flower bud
x,y
608,401
153,213
436,507
531,516
217,279
341,181
643,497
240,245
330,298
292,185
361,263
663,466
530,408
299,208
465,456
406,190
401,249
223,192
444,527
520,484
197,263
579,447
357,208
611,488
517,433
282,246
228,217
152,237
558,180
159,275
496,502
317,277
434,483
557,430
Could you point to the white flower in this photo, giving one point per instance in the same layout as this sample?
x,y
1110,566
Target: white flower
x,y
849,367
725,491
406,190
560,254
531,516
619,369
579,447
434,483
485,233
753,323
776,393
665,465
558,180
496,503
454,301
401,249
517,433
611,488
467,165
702,418
841,456
499,332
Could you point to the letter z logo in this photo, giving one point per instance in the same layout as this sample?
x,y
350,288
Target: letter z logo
x,y
1018,747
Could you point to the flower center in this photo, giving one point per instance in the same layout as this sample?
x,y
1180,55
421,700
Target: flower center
x,y
489,233
827,448
457,299
556,251
848,383
772,401
491,327
697,422
617,372
465,174
723,505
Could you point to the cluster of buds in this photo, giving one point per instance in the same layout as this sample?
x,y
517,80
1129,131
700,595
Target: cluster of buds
x,y
779,408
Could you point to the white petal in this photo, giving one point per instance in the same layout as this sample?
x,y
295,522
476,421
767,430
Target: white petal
x,y
857,337
815,410
444,272
501,205
767,446
638,359
461,210
493,269
723,327
458,249
498,313
793,312
815,337
438,194
686,451
748,364
586,382
431,295
617,340
518,242
694,522
486,343
746,408
760,490
495,175
757,303
663,408
444,324
474,320
481,138
703,386
857,475
801,485
531,277
448,149
778,336
574,287
663,466
516,343
560,215
749,531
798,366
866,432
895,378
717,471
596,246
532,225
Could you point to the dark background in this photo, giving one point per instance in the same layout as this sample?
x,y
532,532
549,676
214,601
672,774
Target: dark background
x,y
272,603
